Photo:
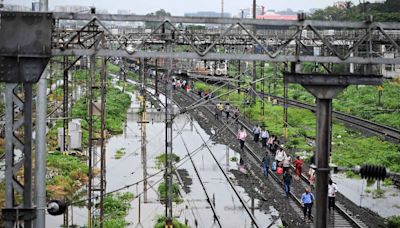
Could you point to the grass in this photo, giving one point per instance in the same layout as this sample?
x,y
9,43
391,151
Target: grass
x,y
116,208
160,159
66,175
119,153
378,193
162,190
349,147
160,223
393,221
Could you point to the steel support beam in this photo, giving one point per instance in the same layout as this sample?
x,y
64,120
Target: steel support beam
x,y
41,141
18,155
325,88
224,56
268,24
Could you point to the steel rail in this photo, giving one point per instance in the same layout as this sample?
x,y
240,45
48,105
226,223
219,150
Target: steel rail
x,y
390,133
349,218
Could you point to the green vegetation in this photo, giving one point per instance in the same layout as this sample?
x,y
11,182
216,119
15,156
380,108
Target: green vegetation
x,y
234,159
114,69
361,101
386,11
128,87
68,175
160,159
393,221
378,193
162,190
160,223
349,147
116,208
119,153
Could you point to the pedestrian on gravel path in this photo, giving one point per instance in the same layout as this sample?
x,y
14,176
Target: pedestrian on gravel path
x,y
280,156
311,179
264,137
332,189
287,181
220,108
275,146
227,109
307,200
242,134
270,142
256,132
286,162
298,164
216,112
236,114
265,163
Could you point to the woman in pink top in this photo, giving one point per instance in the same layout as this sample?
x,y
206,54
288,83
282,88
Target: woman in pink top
x,y
242,137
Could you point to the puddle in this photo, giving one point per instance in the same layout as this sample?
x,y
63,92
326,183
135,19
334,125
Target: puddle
x,y
356,191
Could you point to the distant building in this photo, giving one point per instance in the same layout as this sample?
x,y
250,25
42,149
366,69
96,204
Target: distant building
x,y
207,14
340,4
77,9
277,16
72,8
10,7
36,6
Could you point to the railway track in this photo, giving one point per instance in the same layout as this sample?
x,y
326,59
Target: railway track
x,y
389,133
339,219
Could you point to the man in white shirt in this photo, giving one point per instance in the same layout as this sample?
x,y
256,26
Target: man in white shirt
x,y
332,189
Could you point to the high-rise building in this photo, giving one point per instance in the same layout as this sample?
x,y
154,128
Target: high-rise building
x,y
36,6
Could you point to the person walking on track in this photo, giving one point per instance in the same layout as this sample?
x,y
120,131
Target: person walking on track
x,y
307,200
287,180
242,134
256,132
264,137
332,189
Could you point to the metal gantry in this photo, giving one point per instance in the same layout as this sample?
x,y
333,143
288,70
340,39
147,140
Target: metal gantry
x,y
354,43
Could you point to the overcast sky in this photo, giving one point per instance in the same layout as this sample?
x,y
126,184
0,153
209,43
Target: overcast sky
x,y
179,7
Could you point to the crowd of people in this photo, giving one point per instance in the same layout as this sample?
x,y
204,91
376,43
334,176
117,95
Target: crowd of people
x,y
277,160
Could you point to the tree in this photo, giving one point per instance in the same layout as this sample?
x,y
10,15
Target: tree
x,y
159,13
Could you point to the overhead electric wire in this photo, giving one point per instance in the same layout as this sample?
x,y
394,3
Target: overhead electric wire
x,y
229,181
180,163
202,183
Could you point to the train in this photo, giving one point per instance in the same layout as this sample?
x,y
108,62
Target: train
x,y
210,68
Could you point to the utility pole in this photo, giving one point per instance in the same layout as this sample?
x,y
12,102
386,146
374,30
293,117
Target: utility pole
x,y
40,153
64,149
263,88
169,112
254,85
222,8
143,123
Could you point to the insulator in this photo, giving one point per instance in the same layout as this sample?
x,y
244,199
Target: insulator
x,y
373,172
56,207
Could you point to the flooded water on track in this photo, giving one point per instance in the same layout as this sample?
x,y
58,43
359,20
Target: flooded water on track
x,y
194,208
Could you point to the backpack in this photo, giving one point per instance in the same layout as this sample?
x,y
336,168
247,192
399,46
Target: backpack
x,y
279,170
273,167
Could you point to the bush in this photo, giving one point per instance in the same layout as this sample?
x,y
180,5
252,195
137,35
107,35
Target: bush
x,y
160,223
393,221
160,160
162,190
